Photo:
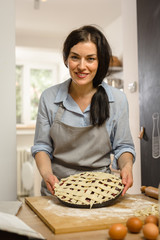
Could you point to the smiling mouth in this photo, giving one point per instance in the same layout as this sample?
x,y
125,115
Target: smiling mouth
x,y
82,75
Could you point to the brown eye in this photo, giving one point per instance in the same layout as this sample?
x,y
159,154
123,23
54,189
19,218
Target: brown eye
x,y
91,59
74,57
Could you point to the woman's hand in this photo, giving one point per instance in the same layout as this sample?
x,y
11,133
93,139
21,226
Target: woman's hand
x,y
44,165
50,181
127,178
125,163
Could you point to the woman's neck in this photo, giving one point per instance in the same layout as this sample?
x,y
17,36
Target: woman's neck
x,y
82,95
81,91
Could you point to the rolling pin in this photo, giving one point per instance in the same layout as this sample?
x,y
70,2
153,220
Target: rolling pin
x,y
150,191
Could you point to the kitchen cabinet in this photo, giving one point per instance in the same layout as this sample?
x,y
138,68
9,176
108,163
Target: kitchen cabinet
x,y
148,24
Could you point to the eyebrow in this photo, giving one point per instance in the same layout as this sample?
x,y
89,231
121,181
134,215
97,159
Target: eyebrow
x,y
90,55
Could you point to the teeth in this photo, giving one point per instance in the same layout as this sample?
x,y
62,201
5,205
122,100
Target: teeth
x,y
82,74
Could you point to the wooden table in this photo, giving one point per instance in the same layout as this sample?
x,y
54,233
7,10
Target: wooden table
x,y
31,219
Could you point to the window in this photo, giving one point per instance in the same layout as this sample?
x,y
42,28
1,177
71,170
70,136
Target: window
x,y
31,81
36,70
40,79
19,72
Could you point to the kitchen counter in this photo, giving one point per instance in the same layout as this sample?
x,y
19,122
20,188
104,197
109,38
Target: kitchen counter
x,y
31,219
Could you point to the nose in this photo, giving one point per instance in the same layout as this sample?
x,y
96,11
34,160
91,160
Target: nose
x,y
82,64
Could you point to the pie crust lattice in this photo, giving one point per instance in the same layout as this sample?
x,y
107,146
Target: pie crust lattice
x,y
88,188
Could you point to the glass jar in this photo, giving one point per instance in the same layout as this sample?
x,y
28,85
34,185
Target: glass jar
x,y
155,136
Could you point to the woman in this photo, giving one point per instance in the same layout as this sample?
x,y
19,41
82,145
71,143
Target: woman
x,y
81,121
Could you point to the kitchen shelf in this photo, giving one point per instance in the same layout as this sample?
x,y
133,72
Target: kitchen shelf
x,y
116,69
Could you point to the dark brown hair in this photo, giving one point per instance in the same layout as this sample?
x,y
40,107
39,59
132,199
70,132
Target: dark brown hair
x,y
99,104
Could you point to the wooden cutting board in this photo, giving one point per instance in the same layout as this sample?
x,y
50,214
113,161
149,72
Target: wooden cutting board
x,y
62,219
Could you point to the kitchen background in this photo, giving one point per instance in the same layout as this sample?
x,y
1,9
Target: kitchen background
x,y
39,39
39,45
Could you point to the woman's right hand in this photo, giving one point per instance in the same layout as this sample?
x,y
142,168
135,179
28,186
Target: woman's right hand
x,y
50,181
44,165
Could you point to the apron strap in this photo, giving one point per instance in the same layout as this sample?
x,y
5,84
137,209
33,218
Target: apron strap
x,y
59,112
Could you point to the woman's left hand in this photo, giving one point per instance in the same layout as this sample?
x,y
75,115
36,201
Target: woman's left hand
x,y
125,163
127,178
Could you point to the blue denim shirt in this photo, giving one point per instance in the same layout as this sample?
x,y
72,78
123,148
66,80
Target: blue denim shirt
x,y
117,125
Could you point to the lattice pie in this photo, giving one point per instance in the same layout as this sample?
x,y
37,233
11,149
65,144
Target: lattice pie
x,y
88,188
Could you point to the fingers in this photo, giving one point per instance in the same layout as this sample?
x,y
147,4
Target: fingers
x,y
49,187
124,190
127,185
50,183
124,180
127,180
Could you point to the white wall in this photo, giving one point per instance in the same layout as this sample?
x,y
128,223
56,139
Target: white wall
x,y
130,73
115,38
8,102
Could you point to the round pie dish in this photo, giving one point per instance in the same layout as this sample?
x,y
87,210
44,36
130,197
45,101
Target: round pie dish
x,y
89,190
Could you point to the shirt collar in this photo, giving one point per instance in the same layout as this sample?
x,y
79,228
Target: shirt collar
x,y
63,91
62,96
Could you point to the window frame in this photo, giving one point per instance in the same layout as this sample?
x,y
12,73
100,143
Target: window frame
x,y
36,59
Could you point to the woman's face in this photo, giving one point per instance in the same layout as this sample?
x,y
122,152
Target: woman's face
x,y
83,62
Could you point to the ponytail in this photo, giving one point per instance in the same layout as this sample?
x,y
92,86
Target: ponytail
x,y
99,111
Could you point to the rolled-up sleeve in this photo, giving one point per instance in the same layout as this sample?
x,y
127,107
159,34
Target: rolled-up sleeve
x,y
122,139
42,139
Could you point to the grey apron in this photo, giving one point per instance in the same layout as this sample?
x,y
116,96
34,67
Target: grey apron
x,y
78,149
